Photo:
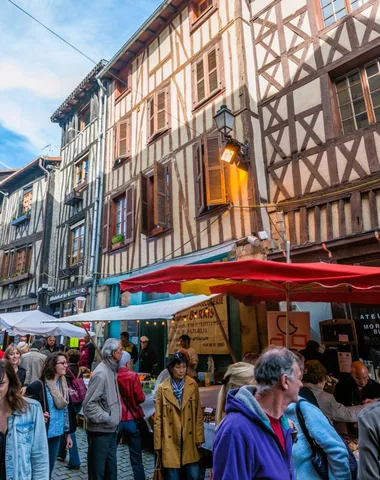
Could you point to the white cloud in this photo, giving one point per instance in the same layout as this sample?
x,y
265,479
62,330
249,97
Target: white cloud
x,y
38,71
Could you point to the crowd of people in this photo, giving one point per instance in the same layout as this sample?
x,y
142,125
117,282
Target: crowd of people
x,y
275,418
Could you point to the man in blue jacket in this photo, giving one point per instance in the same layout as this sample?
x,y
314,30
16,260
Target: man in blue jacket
x,y
254,440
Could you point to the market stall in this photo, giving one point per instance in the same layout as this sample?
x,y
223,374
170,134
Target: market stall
x,y
35,323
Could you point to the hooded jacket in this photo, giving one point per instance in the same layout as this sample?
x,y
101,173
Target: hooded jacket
x,y
245,444
325,436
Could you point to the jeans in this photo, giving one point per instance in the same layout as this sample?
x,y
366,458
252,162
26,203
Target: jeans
x,y
132,436
191,470
74,459
53,444
101,458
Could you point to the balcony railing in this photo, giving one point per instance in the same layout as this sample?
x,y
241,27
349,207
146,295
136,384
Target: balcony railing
x,y
16,278
73,198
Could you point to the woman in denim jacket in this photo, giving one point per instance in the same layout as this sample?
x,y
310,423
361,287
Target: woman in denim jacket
x,y
52,393
23,443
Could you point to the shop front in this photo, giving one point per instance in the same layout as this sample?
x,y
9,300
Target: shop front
x,y
68,302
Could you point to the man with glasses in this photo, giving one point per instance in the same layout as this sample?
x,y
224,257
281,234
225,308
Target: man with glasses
x,y
358,388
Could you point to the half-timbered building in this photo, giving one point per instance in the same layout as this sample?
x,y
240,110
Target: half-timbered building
x,y
169,198
72,261
318,83
25,233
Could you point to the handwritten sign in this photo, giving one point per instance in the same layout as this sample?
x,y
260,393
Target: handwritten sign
x,y
201,326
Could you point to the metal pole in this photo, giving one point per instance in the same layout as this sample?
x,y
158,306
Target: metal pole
x,y
224,335
287,330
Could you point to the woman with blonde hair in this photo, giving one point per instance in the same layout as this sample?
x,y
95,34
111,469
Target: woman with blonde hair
x,y
13,355
237,375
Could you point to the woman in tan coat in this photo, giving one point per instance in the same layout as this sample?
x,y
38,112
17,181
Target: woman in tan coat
x,y
178,425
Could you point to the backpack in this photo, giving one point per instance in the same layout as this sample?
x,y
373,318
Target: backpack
x,y
77,389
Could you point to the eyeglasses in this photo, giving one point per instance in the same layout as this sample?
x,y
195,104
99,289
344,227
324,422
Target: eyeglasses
x,y
65,364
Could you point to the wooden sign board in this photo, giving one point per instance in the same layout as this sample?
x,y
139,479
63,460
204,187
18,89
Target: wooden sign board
x,y
202,328
299,329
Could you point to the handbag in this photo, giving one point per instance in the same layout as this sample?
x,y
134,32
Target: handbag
x,y
158,473
319,457
77,389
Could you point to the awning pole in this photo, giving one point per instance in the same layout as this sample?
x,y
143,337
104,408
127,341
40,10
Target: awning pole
x,y
88,333
287,287
287,336
224,335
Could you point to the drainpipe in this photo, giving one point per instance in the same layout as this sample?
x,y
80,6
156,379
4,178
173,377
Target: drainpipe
x,y
43,240
96,231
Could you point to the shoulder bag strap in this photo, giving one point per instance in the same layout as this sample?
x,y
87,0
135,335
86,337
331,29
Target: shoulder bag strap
x,y
301,421
43,395
128,407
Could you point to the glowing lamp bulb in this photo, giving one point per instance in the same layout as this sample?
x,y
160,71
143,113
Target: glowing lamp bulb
x,y
228,155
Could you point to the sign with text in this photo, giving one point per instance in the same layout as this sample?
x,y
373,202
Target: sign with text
x,y
202,328
299,329
367,322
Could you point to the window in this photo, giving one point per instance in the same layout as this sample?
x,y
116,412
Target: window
x,y
123,82
76,244
16,262
207,76
84,117
122,139
158,116
333,10
358,96
27,200
198,9
155,190
81,171
210,187
119,219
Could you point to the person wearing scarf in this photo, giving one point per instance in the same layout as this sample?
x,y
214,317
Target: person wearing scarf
x,y
52,393
178,425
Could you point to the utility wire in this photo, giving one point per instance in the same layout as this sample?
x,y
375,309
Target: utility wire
x,y
95,63
51,31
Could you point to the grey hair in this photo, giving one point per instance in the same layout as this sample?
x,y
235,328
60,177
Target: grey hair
x,y
110,346
272,364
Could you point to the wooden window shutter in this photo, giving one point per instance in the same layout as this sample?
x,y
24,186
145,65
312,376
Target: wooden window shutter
x,y
106,226
214,173
144,204
199,177
151,117
130,214
212,70
161,207
200,81
122,139
161,109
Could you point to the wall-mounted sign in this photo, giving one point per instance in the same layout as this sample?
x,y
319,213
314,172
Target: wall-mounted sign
x,y
202,328
367,322
299,329
68,294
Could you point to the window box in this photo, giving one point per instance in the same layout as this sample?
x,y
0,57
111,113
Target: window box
x,y
24,217
20,277
118,241
73,198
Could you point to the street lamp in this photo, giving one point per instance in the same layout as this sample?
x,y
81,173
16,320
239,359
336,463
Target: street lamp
x,y
234,151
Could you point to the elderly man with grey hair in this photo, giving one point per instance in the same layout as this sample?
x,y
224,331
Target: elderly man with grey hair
x,y
102,411
255,439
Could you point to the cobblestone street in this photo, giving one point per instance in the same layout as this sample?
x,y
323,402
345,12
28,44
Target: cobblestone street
x,y
124,466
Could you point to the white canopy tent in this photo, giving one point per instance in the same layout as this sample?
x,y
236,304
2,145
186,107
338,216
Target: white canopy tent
x,y
35,323
164,310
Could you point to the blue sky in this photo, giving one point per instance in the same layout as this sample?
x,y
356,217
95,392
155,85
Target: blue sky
x,y
38,71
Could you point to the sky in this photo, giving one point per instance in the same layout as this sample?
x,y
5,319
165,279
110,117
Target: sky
x,y
38,71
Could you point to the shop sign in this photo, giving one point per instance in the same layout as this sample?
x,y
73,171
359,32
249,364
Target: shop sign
x,y
299,329
200,324
367,322
68,294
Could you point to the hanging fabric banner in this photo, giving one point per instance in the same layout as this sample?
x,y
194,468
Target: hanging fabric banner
x,y
200,324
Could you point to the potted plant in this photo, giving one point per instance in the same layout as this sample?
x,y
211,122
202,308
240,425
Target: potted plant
x,y
118,241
